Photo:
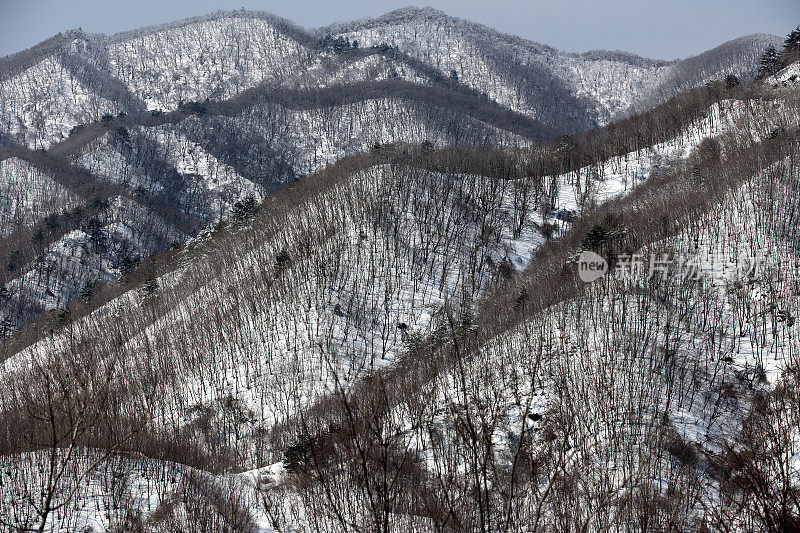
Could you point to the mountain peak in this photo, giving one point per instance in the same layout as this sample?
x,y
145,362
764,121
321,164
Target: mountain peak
x,y
271,18
412,12
398,16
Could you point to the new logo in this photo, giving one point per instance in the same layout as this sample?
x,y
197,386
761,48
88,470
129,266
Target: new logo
x,y
591,266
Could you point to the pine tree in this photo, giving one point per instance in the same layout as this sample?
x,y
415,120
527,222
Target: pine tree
x,y
6,327
596,237
244,210
793,38
149,288
282,259
697,175
522,299
97,235
768,62
297,456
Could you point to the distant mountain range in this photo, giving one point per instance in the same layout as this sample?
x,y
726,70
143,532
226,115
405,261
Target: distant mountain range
x,y
76,77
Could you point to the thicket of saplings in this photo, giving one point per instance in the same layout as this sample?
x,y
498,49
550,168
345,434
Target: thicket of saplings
x,y
353,452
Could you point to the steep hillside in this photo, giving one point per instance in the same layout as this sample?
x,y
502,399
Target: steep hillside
x,y
432,336
190,118
195,167
210,57
76,78
27,195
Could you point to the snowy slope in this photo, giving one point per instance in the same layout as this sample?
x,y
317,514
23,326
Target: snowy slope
x,y
404,273
123,234
27,195
213,57
313,139
517,73
626,384
78,78
40,106
787,77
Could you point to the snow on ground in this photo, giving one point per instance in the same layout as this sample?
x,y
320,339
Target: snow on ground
x,y
39,106
342,330
315,138
608,83
447,48
789,76
592,185
130,489
106,161
346,321
296,311
27,195
211,186
374,67
208,58
126,230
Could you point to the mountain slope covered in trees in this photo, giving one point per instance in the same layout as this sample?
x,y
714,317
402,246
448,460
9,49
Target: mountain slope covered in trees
x,y
261,278
567,89
192,120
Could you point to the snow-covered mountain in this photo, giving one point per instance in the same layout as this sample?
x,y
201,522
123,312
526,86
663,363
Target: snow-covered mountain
x,y
262,278
541,81
186,119
76,78
454,303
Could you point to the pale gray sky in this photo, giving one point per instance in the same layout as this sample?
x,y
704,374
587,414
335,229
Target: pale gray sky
x,y
664,29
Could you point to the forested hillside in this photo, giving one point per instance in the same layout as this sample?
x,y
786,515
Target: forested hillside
x,y
181,123
262,278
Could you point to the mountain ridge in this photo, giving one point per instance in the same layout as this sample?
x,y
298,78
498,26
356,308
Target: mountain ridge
x,y
408,13
572,91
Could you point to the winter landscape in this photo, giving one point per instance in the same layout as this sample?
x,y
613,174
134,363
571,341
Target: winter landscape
x,y
397,274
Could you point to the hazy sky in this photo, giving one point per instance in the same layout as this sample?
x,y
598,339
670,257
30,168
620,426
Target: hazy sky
x,y
664,29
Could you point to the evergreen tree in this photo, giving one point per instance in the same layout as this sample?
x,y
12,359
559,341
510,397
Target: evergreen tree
x,y
244,210
149,288
6,327
297,456
697,175
596,237
768,62
97,235
793,38
522,299
731,81
282,259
